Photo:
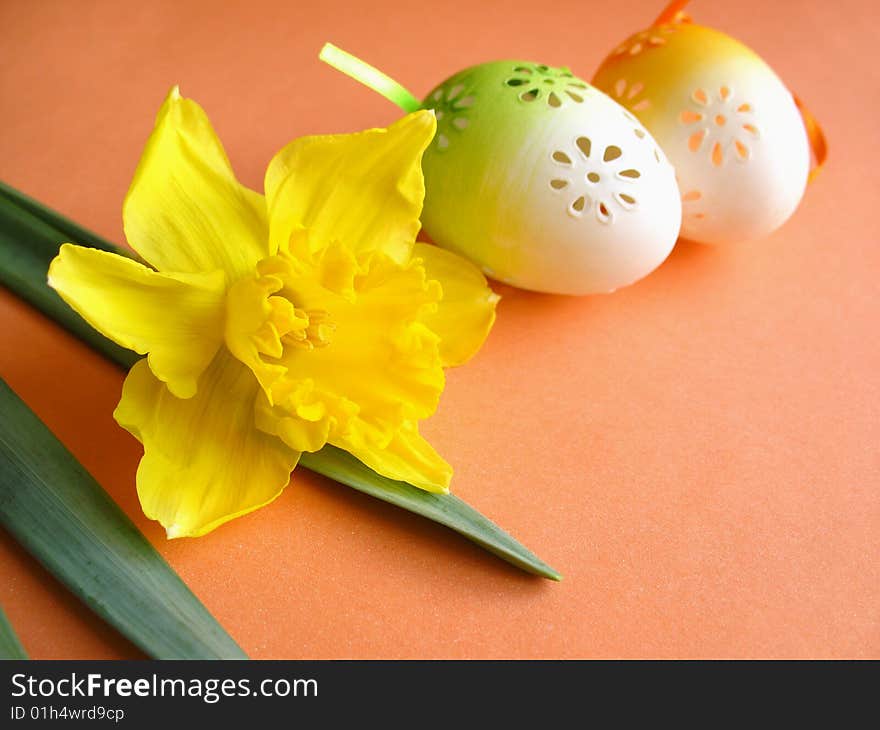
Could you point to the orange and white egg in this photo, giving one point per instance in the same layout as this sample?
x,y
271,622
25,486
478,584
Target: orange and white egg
x,y
725,121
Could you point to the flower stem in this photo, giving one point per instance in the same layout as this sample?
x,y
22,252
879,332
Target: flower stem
x,y
369,76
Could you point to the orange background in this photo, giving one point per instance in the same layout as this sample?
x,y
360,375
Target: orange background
x,y
698,453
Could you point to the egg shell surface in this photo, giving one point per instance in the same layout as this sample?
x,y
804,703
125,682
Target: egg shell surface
x,y
545,182
725,120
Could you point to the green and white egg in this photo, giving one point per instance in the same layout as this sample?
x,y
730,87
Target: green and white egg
x,y
546,182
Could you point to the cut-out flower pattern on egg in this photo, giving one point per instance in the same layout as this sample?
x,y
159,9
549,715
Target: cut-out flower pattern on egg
x,y
639,131
628,94
690,201
646,39
594,178
451,106
555,86
721,124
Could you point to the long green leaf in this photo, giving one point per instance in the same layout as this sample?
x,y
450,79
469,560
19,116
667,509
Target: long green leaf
x,y
69,230
30,235
63,517
447,509
27,245
10,646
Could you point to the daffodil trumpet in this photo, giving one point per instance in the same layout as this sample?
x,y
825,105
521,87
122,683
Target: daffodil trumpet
x,y
275,325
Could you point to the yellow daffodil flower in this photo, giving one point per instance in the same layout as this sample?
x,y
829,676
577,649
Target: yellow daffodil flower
x,y
276,325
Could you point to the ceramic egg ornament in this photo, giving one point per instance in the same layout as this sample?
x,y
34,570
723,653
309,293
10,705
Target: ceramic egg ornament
x,y
542,180
725,120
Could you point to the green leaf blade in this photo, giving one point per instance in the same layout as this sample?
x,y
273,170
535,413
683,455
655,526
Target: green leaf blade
x,y
446,509
27,245
10,646
69,230
60,514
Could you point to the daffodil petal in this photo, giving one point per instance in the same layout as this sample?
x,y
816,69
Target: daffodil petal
x,y
185,211
176,318
204,461
407,457
364,190
466,312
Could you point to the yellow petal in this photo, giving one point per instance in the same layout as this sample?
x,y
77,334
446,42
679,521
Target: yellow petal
x,y
204,461
407,457
176,318
185,211
466,312
364,190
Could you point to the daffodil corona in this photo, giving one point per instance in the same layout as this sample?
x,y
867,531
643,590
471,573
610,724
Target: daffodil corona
x,y
275,325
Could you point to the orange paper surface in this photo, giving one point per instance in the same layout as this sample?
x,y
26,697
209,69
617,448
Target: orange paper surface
x,y
697,454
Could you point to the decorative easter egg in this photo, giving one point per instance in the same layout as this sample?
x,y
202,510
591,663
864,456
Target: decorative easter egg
x,y
546,182
726,121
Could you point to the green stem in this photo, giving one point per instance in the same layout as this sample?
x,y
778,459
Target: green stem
x,y
369,76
